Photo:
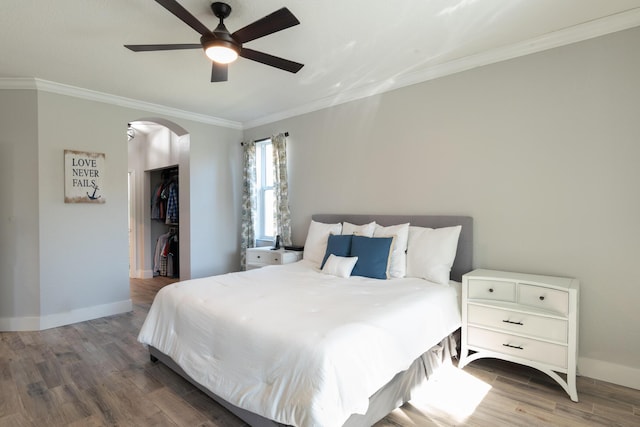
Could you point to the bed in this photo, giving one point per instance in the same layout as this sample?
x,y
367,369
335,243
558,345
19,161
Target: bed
x,y
291,345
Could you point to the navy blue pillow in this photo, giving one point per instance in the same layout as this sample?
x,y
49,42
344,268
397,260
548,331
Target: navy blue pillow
x,y
338,245
373,255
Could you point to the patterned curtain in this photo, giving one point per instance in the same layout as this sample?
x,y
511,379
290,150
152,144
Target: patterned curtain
x,y
281,188
248,200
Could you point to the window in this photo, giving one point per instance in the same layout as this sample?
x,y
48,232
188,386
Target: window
x,y
265,227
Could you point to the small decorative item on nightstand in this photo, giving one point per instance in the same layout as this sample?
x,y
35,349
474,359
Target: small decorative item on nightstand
x,y
522,318
263,256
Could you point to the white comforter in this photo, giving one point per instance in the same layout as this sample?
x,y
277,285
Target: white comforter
x,y
296,345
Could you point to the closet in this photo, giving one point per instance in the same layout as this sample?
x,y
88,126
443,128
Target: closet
x,y
165,218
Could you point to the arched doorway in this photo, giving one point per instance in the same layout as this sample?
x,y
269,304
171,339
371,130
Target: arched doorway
x,y
157,148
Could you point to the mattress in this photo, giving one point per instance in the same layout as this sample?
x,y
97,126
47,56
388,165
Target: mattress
x,y
295,345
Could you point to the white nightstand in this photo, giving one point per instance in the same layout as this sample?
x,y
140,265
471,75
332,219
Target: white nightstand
x,y
523,318
260,257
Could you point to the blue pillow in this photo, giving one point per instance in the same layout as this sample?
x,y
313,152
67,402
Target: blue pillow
x,y
373,255
338,245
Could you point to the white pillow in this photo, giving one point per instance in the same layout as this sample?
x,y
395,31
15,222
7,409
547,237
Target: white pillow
x,y
339,265
361,230
316,244
431,251
398,265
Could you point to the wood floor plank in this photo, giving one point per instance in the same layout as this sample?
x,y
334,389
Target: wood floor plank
x,y
24,371
213,410
12,340
623,417
159,419
171,380
130,398
141,378
405,415
91,421
5,370
16,420
523,393
96,373
50,372
73,406
583,418
80,374
543,417
9,401
177,408
39,404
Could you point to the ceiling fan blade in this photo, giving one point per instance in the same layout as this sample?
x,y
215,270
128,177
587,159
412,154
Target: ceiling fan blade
x,y
219,72
152,47
274,61
184,15
278,20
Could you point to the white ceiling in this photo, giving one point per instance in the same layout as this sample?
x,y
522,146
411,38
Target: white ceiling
x,y
350,48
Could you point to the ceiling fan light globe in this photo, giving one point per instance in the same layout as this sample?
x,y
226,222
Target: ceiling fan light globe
x,y
221,54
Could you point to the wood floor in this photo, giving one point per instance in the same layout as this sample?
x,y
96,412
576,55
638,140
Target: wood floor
x,y
95,373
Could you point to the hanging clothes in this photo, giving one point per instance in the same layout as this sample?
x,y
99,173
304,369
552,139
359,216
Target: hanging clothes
x,y
161,243
156,202
164,199
172,203
165,261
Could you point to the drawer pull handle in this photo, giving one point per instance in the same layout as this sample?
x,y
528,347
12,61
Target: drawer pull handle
x,y
276,260
513,346
490,289
513,323
541,297
258,256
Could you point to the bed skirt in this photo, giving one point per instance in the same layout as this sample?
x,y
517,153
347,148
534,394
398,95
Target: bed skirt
x,y
391,396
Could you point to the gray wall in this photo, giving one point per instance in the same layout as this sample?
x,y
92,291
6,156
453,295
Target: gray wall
x,y
68,262
541,150
216,175
19,280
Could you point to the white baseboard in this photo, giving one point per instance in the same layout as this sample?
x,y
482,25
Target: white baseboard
x,y
609,372
141,274
38,323
27,323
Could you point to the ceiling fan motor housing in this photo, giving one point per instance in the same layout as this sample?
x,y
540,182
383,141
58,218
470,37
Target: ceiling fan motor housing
x,y
220,9
220,38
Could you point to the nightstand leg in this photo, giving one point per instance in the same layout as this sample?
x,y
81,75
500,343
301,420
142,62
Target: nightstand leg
x,y
464,353
571,385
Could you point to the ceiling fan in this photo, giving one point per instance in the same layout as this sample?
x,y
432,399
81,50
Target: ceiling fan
x,y
223,47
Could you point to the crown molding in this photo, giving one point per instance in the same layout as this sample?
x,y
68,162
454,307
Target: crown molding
x,y
588,30
28,83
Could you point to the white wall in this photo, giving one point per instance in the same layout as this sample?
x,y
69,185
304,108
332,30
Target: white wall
x,y
541,150
69,262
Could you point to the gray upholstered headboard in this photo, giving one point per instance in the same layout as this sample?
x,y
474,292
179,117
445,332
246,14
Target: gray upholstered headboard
x,y
464,255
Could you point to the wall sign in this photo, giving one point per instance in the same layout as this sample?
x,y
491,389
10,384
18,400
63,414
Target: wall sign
x,y
83,177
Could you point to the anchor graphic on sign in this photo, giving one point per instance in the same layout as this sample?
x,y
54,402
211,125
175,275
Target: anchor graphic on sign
x,y
93,196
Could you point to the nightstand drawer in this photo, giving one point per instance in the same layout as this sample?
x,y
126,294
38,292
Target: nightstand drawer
x,y
494,290
518,323
529,349
263,257
544,298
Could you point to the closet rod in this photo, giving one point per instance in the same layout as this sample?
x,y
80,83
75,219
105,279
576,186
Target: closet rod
x,y
264,139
